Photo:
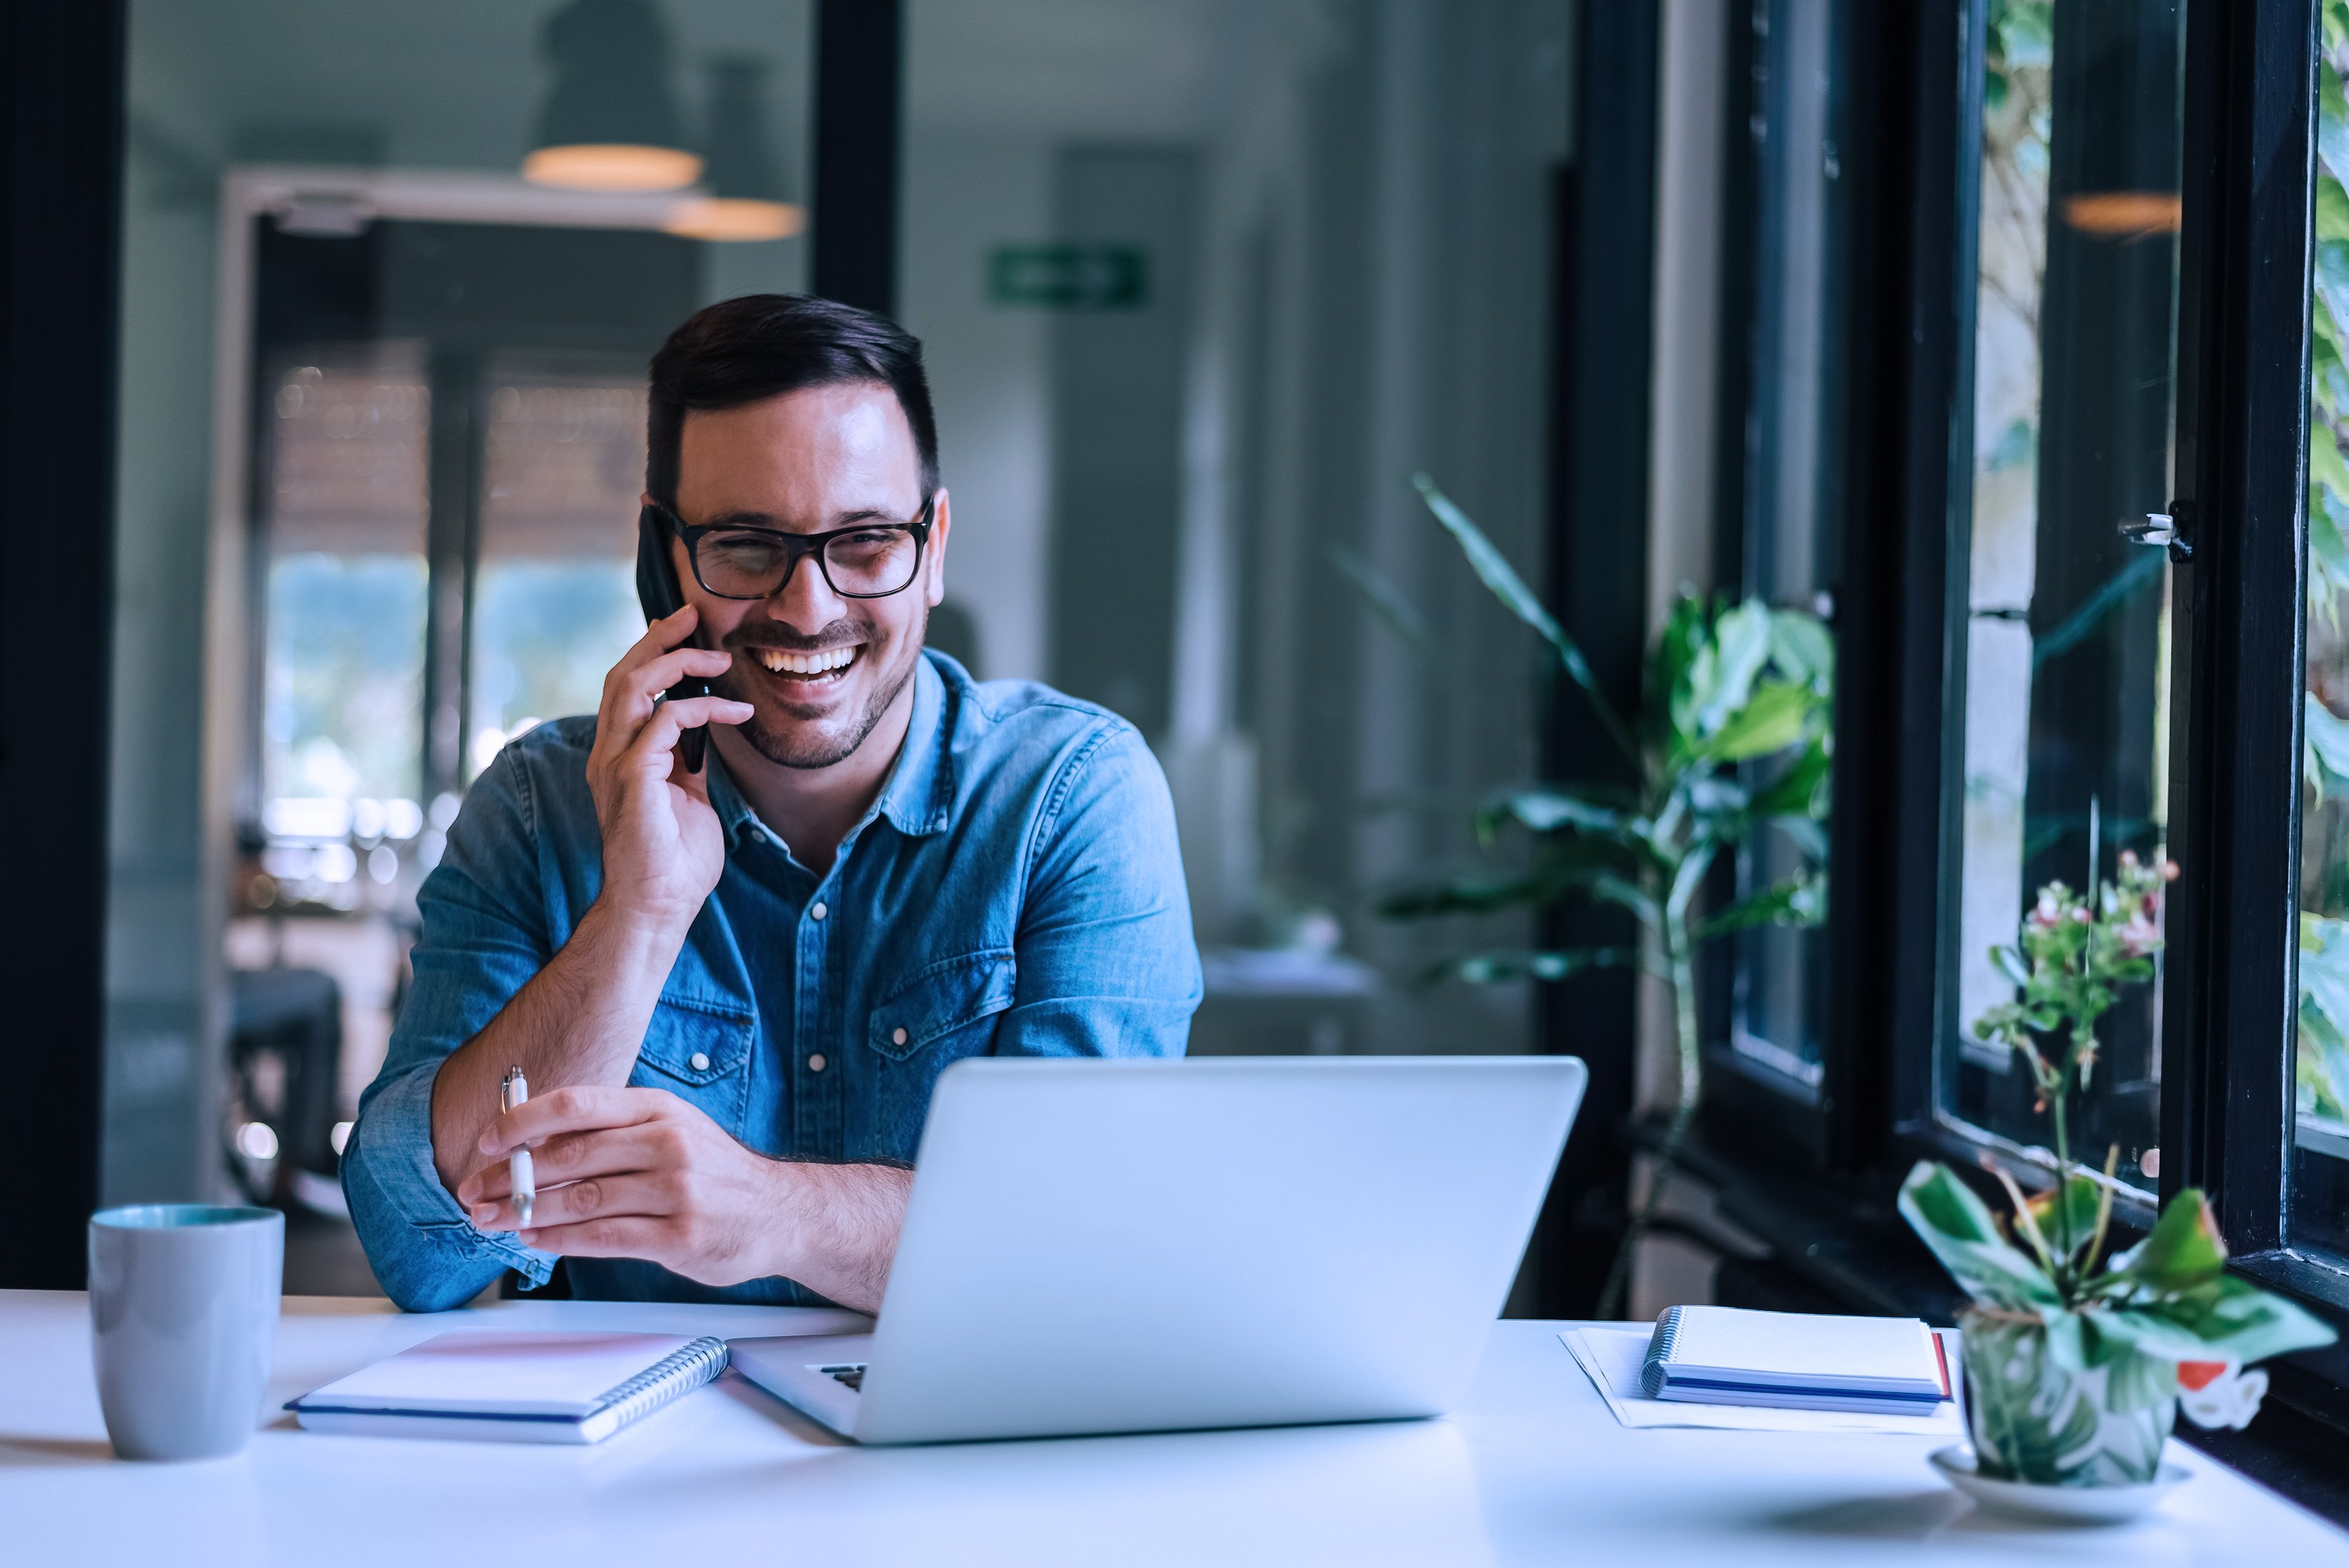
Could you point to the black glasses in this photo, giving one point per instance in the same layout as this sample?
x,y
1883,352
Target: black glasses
x,y
867,561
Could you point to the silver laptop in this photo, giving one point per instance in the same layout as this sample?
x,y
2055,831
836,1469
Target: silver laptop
x,y
1127,1246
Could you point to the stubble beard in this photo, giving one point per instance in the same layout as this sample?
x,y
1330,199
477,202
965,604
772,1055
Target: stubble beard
x,y
820,743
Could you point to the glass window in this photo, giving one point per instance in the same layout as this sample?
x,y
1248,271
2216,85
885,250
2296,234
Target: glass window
x,y
344,513
2320,1207
1789,530
554,596
2066,650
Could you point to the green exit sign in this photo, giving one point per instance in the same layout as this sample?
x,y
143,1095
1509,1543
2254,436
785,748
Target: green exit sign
x,y
1069,277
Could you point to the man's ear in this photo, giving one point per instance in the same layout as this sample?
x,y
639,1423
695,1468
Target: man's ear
x,y
941,520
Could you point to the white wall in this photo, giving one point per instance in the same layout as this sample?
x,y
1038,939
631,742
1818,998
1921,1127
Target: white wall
x,y
990,378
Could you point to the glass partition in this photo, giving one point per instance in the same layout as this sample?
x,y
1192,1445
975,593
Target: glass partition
x,y
1201,288
383,344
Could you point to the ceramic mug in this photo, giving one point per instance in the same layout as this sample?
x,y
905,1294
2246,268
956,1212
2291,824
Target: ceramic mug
x,y
183,1321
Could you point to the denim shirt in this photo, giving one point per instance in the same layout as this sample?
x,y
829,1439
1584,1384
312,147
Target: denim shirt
x,y
1015,890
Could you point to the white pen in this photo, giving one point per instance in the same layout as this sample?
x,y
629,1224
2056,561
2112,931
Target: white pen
x,y
513,1092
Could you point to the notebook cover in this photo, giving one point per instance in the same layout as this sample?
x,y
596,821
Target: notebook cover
x,y
1727,1354
558,1388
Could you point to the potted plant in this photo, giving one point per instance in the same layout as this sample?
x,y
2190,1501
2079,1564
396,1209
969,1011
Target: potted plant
x,y
2076,1361
1731,737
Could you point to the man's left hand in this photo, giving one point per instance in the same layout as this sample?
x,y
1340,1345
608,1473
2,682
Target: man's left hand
x,y
636,1174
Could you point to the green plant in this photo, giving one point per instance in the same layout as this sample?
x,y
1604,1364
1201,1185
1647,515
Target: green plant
x,y
2322,1066
2139,1315
1731,734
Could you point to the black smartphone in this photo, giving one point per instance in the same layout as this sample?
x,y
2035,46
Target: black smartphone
x,y
657,590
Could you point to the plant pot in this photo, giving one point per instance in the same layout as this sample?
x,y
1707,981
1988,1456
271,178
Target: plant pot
x,y
2039,1421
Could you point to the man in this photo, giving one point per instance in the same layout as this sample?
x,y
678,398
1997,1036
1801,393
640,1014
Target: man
x,y
731,991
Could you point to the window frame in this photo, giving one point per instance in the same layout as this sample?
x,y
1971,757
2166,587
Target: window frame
x,y
2250,231
2229,1009
1747,1103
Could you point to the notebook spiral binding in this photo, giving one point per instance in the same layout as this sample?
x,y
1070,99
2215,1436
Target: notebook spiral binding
x,y
686,1369
1659,1351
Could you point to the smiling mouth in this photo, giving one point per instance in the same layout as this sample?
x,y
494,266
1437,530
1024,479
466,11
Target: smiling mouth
x,y
824,666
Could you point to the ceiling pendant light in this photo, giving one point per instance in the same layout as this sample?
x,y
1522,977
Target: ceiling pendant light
x,y
745,186
609,122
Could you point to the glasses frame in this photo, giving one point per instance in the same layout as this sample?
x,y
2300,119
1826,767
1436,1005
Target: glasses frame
x,y
798,547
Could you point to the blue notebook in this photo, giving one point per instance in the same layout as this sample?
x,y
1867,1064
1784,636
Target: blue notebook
x,y
1795,1361
515,1387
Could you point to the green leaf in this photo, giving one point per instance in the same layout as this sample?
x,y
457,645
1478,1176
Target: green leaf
x,y
1670,716
2332,125
1390,605
1466,895
1493,569
1546,810
1801,790
2328,532
2325,465
1803,649
1554,877
2226,1318
2134,1380
2024,33
2082,1196
2327,740
1798,901
1773,718
1958,1227
1809,836
2332,209
2183,1249
1741,646
2068,1343
2324,969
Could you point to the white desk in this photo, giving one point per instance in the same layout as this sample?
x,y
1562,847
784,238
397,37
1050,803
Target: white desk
x,y
1533,1470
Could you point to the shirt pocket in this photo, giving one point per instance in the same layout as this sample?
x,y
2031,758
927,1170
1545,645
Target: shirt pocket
x,y
939,1015
700,1052
939,1011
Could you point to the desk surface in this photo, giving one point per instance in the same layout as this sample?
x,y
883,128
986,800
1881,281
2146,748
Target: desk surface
x,y
1533,1470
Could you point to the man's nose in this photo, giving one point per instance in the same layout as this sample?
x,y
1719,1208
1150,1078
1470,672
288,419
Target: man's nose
x,y
807,604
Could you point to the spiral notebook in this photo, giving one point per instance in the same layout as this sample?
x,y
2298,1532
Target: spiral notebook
x,y
1795,1361
514,1387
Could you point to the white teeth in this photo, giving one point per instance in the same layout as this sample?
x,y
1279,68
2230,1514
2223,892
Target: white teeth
x,y
783,663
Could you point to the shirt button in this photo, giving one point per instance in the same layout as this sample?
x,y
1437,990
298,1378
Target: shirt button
x,y
815,1063
817,910
699,1061
897,1036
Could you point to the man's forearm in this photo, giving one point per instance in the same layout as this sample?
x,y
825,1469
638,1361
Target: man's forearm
x,y
840,1229
580,1020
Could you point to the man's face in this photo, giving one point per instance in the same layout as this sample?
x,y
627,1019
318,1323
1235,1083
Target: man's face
x,y
820,669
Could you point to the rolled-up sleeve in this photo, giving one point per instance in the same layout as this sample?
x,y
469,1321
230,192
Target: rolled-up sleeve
x,y
484,935
1106,962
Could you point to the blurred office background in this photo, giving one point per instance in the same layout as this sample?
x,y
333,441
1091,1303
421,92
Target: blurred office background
x,y
1201,283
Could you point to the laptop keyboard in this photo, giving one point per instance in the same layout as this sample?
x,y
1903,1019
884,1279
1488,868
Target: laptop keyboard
x,y
852,1375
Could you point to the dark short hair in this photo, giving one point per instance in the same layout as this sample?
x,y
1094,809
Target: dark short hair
x,y
746,350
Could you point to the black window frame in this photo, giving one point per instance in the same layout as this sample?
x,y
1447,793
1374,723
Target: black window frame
x,y
2229,1009
1748,1104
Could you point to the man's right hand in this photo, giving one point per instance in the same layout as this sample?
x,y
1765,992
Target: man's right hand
x,y
664,849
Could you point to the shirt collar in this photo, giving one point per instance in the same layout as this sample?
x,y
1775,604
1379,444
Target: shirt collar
x,y
734,813
919,795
